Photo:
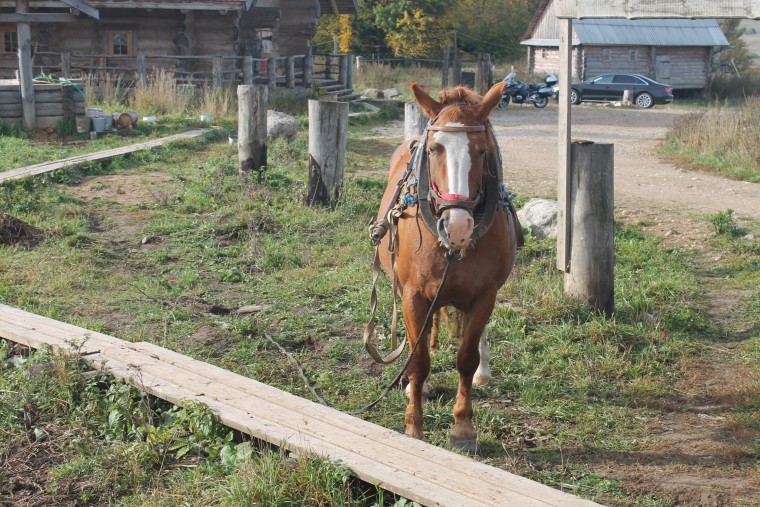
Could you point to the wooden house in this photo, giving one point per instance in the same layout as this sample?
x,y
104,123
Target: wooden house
x,y
181,35
673,51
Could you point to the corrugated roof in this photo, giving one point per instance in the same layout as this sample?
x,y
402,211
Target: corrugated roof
x,y
649,32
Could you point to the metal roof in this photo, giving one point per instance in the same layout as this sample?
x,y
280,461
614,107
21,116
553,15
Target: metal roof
x,y
649,32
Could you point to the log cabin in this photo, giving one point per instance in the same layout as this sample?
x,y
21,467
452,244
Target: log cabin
x,y
673,51
181,35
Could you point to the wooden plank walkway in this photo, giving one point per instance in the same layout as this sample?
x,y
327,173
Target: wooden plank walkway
x,y
416,470
46,167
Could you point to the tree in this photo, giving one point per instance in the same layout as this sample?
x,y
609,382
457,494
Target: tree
x,y
498,33
413,29
735,56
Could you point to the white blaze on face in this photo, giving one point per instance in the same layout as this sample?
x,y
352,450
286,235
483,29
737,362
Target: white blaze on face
x,y
458,163
457,147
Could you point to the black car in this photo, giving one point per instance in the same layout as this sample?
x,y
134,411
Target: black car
x,y
610,88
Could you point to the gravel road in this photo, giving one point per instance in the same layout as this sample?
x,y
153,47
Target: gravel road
x,y
643,180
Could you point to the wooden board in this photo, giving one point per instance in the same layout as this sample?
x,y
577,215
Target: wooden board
x,y
408,467
46,167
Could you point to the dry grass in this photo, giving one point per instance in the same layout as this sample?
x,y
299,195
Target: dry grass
x,y
724,137
106,89
159,94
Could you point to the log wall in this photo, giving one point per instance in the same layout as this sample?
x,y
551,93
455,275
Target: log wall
x,y
689,66
53,102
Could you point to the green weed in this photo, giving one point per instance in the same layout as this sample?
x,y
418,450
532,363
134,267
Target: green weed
x,y
724,224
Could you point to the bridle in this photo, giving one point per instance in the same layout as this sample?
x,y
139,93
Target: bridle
x,y
432,203
443,202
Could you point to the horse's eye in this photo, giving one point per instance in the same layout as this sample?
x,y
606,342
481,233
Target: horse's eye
x,y
482,152
434,149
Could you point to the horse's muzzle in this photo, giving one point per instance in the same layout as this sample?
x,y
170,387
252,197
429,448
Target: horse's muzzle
x,y
455,228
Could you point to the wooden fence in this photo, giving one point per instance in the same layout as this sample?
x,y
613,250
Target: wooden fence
x,y
217,71
52,102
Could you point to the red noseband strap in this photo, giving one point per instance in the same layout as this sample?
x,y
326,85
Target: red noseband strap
x,y
445,201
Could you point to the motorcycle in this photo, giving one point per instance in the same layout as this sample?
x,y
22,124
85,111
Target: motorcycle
x,y
531,93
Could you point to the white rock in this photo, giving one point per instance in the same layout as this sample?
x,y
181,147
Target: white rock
x,y
540,216
281,125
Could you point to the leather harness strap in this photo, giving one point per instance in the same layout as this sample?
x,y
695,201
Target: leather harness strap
x,y
454,128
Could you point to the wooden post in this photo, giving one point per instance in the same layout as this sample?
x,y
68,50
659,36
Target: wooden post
x,y
343,70
142,70
328,66
218,72
483,80
563,142
359,64
25,76
66,65
248,69
252,129
489,71
591,276
457,74
290,72
272,73
308,68
446,64
627,97
67,101
328,129
350,72
414,120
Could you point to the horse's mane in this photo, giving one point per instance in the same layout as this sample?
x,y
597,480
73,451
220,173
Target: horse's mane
x,y
458,95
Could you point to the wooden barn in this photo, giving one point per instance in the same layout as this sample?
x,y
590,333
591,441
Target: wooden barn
x,y
182,35
673,51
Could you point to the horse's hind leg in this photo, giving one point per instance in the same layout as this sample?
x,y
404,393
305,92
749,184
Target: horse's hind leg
x,y
483,373
435,327
415,308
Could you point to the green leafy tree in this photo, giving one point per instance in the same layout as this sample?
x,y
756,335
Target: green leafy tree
x,y
365,34
491,26
736,56
413,29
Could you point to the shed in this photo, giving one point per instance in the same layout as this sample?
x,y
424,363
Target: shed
x,y
673,51
175,29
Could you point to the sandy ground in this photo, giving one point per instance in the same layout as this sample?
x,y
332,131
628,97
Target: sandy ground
x,y
528,139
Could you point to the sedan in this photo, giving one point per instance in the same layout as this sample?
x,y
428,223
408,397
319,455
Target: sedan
x,y
610,88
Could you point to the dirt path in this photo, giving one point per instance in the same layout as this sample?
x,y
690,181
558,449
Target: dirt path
x,y
528,139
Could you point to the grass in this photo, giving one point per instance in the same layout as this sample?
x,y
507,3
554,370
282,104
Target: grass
x,y
720,139
569,386
104,442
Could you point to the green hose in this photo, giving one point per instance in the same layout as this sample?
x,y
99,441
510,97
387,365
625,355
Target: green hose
x,y
61,81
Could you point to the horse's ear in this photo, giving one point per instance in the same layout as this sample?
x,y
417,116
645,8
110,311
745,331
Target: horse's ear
x,y
491,100
429,105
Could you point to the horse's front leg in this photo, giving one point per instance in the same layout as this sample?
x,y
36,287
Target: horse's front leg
x,y
463,434
415,308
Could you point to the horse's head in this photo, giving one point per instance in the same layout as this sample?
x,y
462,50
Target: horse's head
x,y
458,150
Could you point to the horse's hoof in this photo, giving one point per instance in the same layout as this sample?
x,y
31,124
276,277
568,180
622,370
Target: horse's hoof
x,y
470,445
481,379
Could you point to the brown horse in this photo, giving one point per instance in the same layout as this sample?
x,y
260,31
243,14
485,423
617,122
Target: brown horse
x,y
458,206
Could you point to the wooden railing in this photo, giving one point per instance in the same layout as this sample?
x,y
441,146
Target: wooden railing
x,y
288,72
